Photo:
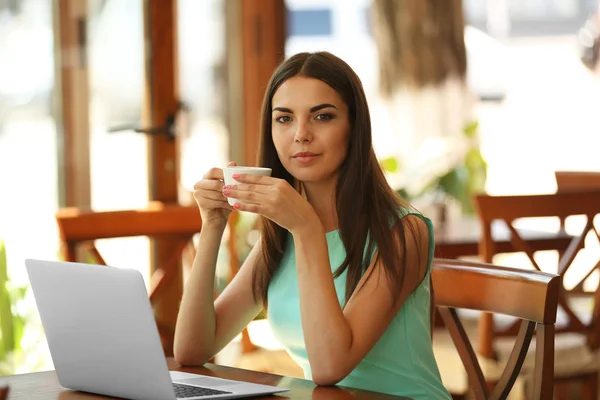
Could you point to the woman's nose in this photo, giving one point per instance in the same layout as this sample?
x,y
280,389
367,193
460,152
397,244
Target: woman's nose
x,y
303,134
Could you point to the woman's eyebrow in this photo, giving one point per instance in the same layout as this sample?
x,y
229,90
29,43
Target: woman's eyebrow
x,y
322,106
283,109
312,109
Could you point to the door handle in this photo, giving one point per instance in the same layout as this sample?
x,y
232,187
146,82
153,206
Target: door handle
x,y
167,129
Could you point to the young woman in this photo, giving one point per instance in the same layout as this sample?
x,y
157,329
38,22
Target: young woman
x,y
343,264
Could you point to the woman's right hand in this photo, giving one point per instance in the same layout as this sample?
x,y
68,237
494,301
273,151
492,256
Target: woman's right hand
x,y
214,208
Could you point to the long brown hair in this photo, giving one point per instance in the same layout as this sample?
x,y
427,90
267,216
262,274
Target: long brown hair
x,y
374,207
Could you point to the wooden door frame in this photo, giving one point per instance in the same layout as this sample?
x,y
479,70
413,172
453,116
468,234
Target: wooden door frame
x,y
161,103
71,99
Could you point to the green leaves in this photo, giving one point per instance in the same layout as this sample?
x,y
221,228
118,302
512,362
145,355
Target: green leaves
x,y
455,183
390,164
469,178
6,319
460,183
471,128
477,168
12,323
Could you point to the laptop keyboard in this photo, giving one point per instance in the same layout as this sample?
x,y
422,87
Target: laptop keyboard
x,y
184,391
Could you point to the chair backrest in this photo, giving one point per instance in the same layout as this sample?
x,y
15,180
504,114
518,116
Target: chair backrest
x,y
577,180
572,181
178,223
561,205
531,296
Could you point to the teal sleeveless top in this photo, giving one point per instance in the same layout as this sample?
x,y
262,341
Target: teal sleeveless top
x,y
400,363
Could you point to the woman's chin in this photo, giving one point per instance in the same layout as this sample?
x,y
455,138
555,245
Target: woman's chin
x,y
306,175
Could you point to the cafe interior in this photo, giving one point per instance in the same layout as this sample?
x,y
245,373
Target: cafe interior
x,y
484,114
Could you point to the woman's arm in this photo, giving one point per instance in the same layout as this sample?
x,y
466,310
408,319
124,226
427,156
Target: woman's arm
x,y
204,326
336,340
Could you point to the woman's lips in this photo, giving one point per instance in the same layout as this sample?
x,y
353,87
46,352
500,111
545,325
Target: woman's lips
x,y
305,159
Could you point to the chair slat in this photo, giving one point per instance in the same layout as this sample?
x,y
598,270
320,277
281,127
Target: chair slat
x,y
544,362
466,352
515,361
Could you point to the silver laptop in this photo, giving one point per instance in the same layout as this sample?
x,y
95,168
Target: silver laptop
x,y
103,337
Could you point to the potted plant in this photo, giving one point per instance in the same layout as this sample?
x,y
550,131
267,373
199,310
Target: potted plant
x,y
459,181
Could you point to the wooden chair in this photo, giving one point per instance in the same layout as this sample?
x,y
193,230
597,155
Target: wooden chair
x,y
178,223
576,180
530,296
570,181
81,228
578,337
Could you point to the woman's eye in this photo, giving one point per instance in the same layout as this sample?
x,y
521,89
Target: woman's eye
x,y
324,117
283,119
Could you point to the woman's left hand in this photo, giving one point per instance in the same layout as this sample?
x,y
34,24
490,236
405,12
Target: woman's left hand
x,y
273,198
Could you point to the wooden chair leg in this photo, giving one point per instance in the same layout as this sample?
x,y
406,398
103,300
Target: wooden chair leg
x,y
561,390
4,392
589,387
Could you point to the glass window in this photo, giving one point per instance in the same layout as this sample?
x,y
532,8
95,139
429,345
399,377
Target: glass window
x,y
309,22
28,162
203,87
544,9
118,160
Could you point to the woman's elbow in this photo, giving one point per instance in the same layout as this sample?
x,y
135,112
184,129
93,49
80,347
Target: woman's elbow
x,y
328,377
188,358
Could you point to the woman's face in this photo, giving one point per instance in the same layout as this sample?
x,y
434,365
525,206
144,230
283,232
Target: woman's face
x,y
310,128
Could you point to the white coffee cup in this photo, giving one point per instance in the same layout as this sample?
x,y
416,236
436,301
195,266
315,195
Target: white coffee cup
x,y
228,177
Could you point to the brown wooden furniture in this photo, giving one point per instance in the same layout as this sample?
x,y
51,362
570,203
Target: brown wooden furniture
x,y
4,392
531,296
178,223
161,106
574,181
45,386
577,180
460,238
569,181
562,205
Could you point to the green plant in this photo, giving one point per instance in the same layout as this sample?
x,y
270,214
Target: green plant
x,y
460,182
12,323
467,178
391,164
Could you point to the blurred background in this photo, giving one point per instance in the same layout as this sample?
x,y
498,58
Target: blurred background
x,y
109,105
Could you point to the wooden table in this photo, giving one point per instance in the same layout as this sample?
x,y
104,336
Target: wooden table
x,y
460,238
45,386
